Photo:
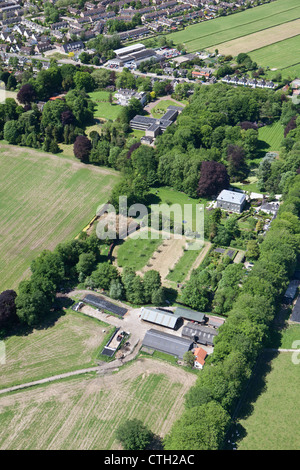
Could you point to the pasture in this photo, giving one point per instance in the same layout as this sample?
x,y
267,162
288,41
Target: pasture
x,y
281,56
45,199
83,413
62,344
209,34
183,266
269,418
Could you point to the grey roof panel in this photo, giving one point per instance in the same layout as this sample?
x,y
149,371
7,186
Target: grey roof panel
x,y
160,317
167,343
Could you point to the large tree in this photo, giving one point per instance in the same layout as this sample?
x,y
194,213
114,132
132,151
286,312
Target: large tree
x,y
133,435
213,178
82,148
7,308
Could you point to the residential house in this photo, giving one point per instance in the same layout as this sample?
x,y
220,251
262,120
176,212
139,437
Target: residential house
x,y
200,355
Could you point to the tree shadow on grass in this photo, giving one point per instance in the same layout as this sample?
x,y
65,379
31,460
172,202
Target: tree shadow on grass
x,y
255,388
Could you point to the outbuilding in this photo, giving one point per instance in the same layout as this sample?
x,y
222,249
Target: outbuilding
x,y
167,343
160,317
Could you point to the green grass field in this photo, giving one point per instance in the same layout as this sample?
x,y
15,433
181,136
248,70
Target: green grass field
x,y
270,416
104,109
62,344
45,199
182,268
169,196
159,110
136,252
83,413
282,56
207,34
271,136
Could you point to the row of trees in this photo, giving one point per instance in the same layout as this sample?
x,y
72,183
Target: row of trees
x,y
242,336
77,261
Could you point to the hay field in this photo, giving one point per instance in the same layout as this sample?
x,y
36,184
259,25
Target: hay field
x,y
44,199
261,39
83,413
208,34
67,343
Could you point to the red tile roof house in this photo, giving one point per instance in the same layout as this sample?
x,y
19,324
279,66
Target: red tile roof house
x,y
200,355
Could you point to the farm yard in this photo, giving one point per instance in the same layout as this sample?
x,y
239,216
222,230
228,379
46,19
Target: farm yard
x,y
275,387
83,413
57,196
211,34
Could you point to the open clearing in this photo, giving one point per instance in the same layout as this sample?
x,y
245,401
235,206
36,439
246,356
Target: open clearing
x,y
104,109
208,34
270,416
83,413
45,199
272,136
261,39
67,343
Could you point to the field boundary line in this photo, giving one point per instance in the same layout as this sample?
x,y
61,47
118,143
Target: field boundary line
x,y
244,24
255,32
277,42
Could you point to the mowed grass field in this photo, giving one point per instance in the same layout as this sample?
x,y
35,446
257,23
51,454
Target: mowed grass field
x,y
212,33
272,136
282,56
83,413
271,415
104,109
44,199
72,341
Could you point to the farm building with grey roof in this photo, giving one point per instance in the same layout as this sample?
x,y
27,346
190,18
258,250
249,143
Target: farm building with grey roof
x,y
160,317
167,343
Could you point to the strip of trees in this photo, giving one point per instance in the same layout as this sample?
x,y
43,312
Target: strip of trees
x,y
242,337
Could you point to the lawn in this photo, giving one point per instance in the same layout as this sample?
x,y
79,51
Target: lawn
x,y
62,344
136,252
208,34
45,199
270,416
160,109
169,196
83,413
272,136
104,109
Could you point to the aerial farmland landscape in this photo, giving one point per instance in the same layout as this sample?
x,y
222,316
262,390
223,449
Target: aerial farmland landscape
x,y
149,237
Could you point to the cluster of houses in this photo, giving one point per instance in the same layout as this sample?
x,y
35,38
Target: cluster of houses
x,y
24,30
251,82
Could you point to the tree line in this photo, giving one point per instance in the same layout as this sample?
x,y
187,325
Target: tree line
x,y
210,403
